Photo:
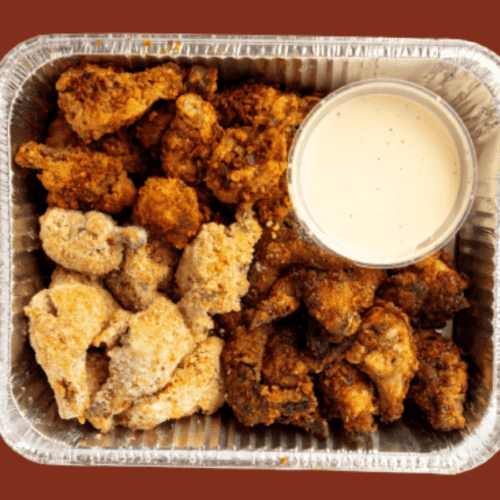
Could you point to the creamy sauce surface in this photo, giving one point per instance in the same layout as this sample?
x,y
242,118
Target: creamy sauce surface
x,y
380,173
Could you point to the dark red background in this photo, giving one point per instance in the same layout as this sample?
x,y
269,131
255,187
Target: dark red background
x,y
474,21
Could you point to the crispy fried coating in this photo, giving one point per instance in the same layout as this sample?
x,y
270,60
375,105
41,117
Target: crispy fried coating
x,y
385,350
430,292
440,384
90,243
272,387
96,369
349,394
143,273
196,385
64,320
212,271
98,101
60,135
169,209
142,362
202,81
257,104
150,129
80,179
190,139
247,164
337,299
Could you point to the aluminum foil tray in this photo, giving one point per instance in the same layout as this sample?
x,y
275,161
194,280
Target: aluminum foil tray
x,y
464,74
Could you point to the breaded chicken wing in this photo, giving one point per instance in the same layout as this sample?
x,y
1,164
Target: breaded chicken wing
x,y
430,292
142,362
64,321
90,243
60,135
349,394
190,139
273,209
196,385
169,209
98,101
385,350
440,384
80,179
247,164
143,273
212,272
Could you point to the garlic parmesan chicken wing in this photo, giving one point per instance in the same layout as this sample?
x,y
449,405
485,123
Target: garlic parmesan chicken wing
x,y
168,208
212,272
430,292
64,320
90,243
247,164
385,350
440,384
142,362
98,101
80,179
143,274
349,394
190,139
196,385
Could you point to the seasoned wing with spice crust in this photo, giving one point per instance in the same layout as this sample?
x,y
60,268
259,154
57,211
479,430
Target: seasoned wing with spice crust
x,y
440,384
385,350
80,179
430,292
169,209
190,139
98,101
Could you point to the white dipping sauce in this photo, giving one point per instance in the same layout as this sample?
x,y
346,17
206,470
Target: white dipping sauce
x,y
380,173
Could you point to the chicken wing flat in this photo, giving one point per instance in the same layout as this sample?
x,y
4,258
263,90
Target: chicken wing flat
x,y
64,321
430,291
90,243
212,272
349,394
142,362
196,385
168,208
190,139
385,350
247,164
440,384
143,273
80,179
98,101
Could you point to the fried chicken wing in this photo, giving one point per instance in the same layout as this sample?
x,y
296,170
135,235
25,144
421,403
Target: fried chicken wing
x,y
169,209
272,210
196,385
212,271
80,179
60,135
190,139
385,350
247,164
255,402
349,394
142,362
430,291
440,384
90,243
64,321
98,101
143,273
